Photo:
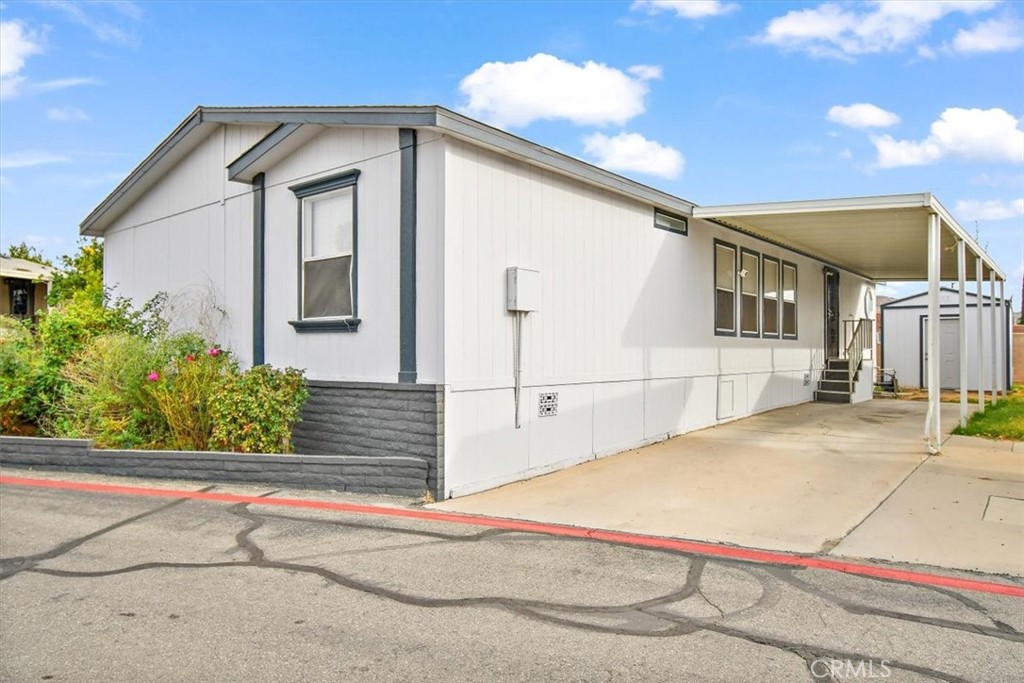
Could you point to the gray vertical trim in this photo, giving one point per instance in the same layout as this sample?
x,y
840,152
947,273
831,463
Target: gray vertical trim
x,y
259,213
407,258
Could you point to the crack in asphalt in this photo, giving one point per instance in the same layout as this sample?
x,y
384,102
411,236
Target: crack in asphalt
x,y
646,618
9,566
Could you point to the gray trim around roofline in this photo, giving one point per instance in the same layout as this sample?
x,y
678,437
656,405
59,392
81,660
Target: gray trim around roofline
x,y
272,139
431,116
192,121
407,257
259,214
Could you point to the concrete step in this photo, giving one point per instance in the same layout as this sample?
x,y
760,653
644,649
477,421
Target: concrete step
x,y
832,396
836,375
837,364
834,385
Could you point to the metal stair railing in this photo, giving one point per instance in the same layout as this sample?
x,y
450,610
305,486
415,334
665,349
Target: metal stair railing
x,y
859,338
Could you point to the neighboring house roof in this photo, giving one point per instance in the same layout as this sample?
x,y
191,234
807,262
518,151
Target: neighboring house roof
x,y
297,125
21,269
895,303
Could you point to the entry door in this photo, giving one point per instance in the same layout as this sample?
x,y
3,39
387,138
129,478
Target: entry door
x,y
831,313
949,353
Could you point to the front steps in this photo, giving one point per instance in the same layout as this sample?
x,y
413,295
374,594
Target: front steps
x,y
835,385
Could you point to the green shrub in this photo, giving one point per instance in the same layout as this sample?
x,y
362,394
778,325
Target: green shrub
x,y
255,411
184,392
107,395
19,367
69,329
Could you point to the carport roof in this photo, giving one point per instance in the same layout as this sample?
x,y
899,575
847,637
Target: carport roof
x,y
883,238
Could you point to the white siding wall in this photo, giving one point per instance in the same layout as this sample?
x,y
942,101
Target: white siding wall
x,y
624,333
191,237
371,353
901,339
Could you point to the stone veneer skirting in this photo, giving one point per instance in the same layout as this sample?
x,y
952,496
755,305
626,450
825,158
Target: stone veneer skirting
x,y
376,420
399,476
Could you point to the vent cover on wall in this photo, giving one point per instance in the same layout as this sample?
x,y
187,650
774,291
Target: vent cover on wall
x,y
548,405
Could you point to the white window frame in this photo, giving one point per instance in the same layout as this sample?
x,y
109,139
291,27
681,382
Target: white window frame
x,y
307,194
723,331
795,303
746,254
777,298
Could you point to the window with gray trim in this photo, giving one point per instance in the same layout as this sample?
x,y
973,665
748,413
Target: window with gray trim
x,y
771,273
725,289
328,250
750,291
670,222
789,300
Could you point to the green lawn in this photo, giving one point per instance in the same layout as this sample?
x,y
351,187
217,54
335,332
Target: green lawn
x,y
1004,420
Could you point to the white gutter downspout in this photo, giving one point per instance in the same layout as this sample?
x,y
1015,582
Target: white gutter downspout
x,y
933,429
961,272
979,275
992,330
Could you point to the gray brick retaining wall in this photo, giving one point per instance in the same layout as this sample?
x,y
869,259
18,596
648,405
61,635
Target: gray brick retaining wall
x,y
394,475
376,420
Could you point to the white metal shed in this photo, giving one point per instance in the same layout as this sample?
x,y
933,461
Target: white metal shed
x,y
904,328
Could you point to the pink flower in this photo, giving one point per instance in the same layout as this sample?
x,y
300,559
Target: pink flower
x,y
153,376
190,358
214,352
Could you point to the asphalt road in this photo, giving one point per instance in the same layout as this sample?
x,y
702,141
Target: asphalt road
x,y
100,587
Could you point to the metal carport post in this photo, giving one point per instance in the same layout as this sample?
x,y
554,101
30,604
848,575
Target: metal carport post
x,y
933,429
961,273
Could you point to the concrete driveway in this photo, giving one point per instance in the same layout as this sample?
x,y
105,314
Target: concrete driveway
x,y
814,478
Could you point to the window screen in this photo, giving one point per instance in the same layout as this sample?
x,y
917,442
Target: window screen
x,y
788,300
327,254
725,288
750,287
770,297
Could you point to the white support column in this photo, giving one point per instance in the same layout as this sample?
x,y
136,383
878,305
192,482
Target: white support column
x,y
961,273
979,275
1004,339
933,429
992,331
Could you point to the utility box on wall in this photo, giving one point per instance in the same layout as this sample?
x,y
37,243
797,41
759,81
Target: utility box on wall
x,y
522,289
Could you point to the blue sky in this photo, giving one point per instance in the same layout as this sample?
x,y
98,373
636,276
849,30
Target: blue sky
x,y
716,102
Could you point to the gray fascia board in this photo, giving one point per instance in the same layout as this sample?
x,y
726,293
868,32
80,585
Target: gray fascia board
x,y
239,166
398,116
407,117
461,126
191,122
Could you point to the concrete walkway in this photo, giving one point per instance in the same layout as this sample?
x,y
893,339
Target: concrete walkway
x,y
814,478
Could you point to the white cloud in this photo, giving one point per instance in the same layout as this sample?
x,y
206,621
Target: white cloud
x,y
995,35
514,94
844,31
991,135
61,83
120,29
31,158
1015,180
925,52
862,115
634,152
17,44
988,210
66,114
686,9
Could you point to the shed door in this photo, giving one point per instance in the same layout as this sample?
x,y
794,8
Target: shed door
x,y
949,353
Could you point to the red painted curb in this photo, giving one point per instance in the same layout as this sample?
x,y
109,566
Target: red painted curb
x,y
638,540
